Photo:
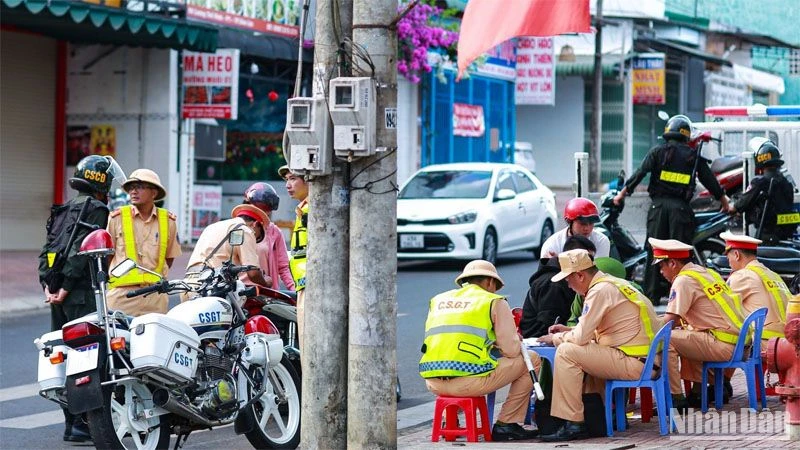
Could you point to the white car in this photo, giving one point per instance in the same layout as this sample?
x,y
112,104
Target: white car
x,y
471,211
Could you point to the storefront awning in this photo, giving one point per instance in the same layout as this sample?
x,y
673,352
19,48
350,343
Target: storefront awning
x,y
758,79
584,65
265,46
81,22
671,47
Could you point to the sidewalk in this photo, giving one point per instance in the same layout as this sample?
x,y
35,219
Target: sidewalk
x,y
744,430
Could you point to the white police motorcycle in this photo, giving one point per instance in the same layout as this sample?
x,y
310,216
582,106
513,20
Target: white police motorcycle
x,y
203,364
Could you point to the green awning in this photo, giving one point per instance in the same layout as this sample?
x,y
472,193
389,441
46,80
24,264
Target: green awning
x,y
584,65
80,22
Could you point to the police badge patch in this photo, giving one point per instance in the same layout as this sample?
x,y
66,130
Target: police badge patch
x,y
672,295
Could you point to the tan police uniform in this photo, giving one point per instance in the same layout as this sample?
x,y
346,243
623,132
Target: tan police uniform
x,y
147,239
759,287
705,322
609,321
510,369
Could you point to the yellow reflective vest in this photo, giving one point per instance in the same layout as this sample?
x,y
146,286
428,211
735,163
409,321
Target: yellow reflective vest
x,y
299,243
728,302
780,294
635,297
136,277
459,334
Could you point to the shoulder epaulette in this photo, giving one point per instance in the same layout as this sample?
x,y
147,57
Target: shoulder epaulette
x,y
172,216
115,213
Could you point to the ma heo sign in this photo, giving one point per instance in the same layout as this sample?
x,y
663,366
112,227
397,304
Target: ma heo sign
x,y
210,85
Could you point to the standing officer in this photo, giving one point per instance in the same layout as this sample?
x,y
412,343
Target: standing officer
x,y
146,234
212,245
673,166
611,340
709,312
463,332
298,190
774,189
75,297
758,286
581,215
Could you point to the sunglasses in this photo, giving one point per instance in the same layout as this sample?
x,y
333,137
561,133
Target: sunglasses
x,y
140,186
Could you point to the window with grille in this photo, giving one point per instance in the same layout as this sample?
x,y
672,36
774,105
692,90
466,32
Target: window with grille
x,y
794,63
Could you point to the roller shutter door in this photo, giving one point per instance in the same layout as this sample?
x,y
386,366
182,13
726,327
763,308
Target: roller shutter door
x,y
27,126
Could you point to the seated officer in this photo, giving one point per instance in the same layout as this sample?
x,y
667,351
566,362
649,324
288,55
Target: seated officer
x,y
611,340
758,286
706,313
463,332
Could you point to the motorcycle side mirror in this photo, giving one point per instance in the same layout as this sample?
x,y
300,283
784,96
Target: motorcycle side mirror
x,y
236,238
124,267
663,115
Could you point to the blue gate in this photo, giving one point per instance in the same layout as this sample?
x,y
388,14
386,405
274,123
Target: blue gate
x,y
439,145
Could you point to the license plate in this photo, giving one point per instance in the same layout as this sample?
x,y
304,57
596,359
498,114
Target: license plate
x,y
412,241
182,360
82,359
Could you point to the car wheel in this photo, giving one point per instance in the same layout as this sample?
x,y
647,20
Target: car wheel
x,y
547,231
490,246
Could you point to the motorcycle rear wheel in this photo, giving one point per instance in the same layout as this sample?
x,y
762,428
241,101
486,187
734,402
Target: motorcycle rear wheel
x,y
277,421
119,423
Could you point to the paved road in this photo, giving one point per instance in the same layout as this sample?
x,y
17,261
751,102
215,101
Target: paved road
x,y
28,421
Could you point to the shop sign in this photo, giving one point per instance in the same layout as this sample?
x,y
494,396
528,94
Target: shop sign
x,y
536,70
649,87
206,207
468,120
501,62
280,17
211,85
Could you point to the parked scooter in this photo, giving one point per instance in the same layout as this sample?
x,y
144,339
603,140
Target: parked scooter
x,y
727,169
203,364
783,260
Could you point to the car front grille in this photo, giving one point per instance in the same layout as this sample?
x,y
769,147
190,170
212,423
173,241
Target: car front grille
x,y
423,222
434,242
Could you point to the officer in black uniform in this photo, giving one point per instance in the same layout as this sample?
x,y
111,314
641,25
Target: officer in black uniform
x,y
673,166
75,297
773,190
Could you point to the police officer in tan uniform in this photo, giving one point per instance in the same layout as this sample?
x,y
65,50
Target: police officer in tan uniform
x,y
248,218
707,315
611,340
465,329
147,235
758,286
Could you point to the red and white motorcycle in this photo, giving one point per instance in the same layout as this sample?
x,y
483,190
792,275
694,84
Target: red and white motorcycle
x,y
203,364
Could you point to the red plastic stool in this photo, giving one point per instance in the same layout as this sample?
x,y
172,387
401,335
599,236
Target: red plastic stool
x,y
449,406
647,402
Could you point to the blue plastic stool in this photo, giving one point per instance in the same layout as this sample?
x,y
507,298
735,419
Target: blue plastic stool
x,y
750,363
660,385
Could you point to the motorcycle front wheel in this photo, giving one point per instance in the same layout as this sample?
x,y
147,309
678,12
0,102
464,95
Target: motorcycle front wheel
x,y
120,423
276,417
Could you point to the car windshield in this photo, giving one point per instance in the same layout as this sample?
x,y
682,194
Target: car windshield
x,y
448,184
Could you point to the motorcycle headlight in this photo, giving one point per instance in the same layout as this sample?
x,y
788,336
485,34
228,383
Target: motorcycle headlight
x,y
465,217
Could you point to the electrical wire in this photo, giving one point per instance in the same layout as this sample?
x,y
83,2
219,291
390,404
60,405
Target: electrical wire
x,y
369,184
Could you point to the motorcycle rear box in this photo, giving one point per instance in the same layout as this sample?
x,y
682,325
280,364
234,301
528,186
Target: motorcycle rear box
x,y
158,341
52,375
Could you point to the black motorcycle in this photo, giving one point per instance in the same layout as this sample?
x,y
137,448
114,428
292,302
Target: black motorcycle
x,y
783,260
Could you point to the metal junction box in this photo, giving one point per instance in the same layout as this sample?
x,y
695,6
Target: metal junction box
x,y
352,105
308,125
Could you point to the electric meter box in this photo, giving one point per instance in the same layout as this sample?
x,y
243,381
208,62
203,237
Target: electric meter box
x,y
308,125
352,107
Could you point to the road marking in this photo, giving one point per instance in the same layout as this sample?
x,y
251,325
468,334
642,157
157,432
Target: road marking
x,y
17,392
34,420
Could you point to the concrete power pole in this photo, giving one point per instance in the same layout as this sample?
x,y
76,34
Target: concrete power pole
x,y
324,354
371,405
595,147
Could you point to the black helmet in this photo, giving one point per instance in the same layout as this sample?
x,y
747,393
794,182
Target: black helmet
x,y
768,155
94,173
262,196
678,128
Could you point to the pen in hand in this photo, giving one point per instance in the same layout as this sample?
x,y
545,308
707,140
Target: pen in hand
x,y
555,322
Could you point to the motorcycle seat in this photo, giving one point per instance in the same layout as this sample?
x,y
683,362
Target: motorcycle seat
x,y
726,163
779,266
779,252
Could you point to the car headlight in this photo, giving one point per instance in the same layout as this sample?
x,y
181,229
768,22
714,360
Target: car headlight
x,y
465,217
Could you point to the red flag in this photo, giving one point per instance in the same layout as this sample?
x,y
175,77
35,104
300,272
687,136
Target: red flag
x,y
488,23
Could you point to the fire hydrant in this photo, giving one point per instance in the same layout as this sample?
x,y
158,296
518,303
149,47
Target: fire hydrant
x,y
783,358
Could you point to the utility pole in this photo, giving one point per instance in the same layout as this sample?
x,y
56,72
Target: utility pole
x,y
324,345
595,149
372,376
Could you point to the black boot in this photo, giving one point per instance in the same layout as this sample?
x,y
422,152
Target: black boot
x,y
76,430
511,432
568,432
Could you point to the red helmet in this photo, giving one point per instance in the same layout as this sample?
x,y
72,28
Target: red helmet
x,y
262,196
581,209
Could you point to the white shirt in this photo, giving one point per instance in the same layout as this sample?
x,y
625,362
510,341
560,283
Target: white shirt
x,y
555,244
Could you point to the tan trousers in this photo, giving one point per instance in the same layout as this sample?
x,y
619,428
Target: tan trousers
x,y
508,370
137,306
693,347
597,361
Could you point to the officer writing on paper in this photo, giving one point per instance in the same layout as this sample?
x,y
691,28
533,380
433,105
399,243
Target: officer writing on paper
x,y
472,348
611,340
